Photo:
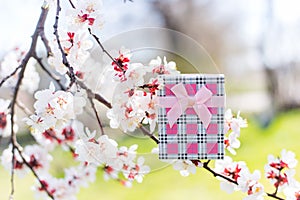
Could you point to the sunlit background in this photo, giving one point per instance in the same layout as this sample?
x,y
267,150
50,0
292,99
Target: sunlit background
x,y
256,44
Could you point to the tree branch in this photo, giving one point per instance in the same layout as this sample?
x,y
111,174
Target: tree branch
x,y
97,115
56,79
104,50
22,66
10,75
34,173
274,196
72,5
215,174
46,43
147,132
64,57
96,96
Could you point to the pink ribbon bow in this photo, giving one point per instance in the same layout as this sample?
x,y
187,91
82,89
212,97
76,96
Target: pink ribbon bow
x,y
181,101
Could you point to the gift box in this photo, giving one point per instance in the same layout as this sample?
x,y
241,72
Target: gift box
x,y
191,116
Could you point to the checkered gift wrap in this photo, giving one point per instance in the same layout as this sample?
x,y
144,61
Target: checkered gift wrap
x,y
188,137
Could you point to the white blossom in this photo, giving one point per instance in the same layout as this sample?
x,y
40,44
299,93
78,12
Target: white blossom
x,y
135,74
126,156
88,151
38,158
160,66
76,46
234,123
292,192
138,171
185,167
230,169
87,14
54,109
80,176
232,129
249,184
280,170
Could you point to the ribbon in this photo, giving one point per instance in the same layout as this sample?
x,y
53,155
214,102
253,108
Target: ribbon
x,y
181,101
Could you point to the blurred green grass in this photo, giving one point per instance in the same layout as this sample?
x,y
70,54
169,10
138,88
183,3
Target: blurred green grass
x,y
167,183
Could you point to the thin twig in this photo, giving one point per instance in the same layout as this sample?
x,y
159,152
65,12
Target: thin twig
x,y
274,196
97,115
98,97
104,50
56,79
147,132
34,173
276,188
45,41
91,94
72,5
215,174
10,75
64,57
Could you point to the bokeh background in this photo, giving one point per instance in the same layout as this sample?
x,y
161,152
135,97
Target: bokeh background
x,y
256,44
